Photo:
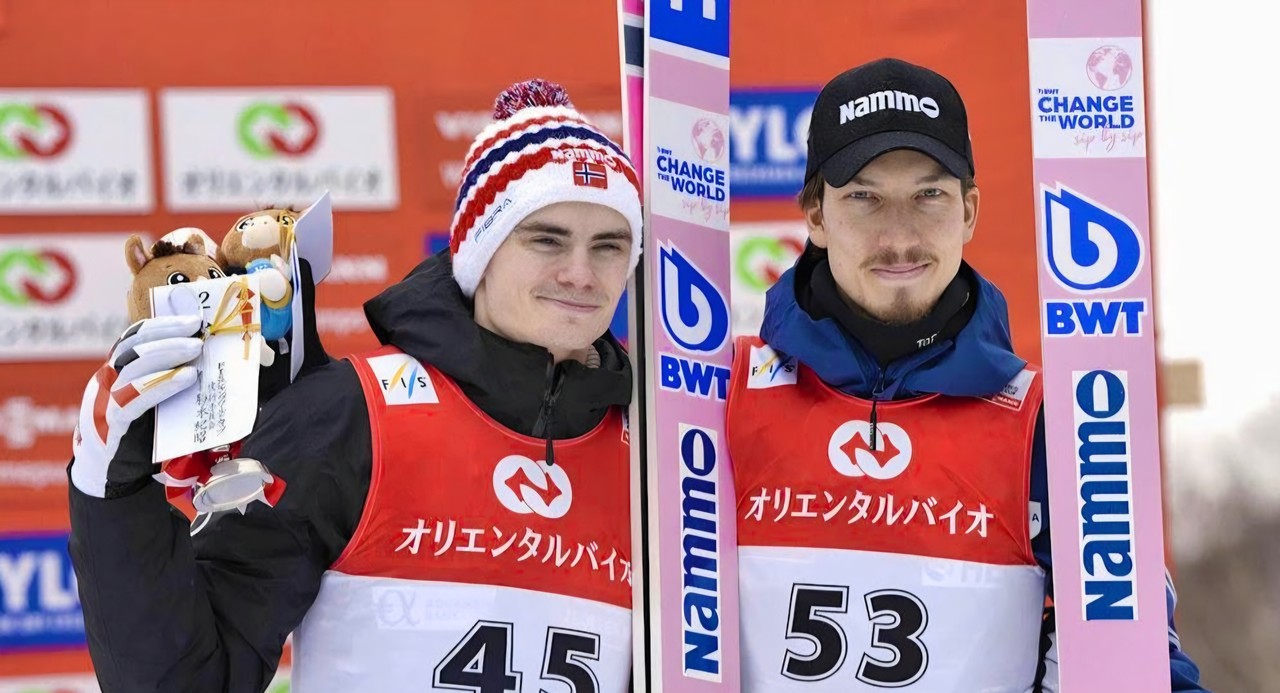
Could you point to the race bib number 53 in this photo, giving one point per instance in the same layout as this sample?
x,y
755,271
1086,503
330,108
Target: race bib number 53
x,y
818,647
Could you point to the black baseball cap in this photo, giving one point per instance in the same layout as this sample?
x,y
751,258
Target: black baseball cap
x,y
885,105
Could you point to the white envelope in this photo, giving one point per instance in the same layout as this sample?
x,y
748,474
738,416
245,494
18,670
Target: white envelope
x,y
223,404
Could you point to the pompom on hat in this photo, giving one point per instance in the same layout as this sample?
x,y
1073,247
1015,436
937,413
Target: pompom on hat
x,y
539,151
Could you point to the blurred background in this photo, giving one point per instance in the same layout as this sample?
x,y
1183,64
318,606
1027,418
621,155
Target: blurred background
x,y
141,116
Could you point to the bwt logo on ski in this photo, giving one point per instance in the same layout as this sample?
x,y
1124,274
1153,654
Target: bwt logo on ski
x,y
40,276
700,552
768,135
1090,250
524,486
33,131
695,316
691,178
268,130
39,604
1109,578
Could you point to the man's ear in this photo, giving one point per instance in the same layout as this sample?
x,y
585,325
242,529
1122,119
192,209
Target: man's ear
x,y
817,229
971,200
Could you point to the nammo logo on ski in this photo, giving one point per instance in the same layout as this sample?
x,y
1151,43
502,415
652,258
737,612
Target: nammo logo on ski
x,y
268,130
33,131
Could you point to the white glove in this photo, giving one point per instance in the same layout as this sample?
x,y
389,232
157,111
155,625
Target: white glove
x,y
147,365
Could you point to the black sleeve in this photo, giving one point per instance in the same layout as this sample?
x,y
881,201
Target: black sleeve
x,y
170,606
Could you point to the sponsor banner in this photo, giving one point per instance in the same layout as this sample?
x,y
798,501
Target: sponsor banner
x,y
358,269
458,118
39,603
768,134
39,409
760,252
62,296
233,149
83,150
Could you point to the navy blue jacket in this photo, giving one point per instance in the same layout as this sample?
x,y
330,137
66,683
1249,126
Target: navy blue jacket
x,y
979,361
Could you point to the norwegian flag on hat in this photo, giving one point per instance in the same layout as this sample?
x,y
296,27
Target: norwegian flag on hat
x,y
539,151
591,174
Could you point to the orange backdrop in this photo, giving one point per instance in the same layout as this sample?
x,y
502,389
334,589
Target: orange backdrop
x,y
445,59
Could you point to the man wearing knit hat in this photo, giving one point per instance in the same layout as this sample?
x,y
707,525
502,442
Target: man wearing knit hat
x,y
457,510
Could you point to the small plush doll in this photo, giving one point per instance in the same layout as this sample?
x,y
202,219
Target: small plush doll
x,y
182,256
259,243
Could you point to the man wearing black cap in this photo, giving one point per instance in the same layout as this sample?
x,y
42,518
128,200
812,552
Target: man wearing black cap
x,y
887,444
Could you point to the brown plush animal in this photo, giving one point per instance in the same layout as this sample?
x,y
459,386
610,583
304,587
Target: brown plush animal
x,y
257,236
182,256
259,243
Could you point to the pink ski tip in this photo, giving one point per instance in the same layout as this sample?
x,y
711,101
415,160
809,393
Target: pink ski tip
x,y
533,92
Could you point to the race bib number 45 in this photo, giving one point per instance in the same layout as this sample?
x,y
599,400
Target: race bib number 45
x,y
482,661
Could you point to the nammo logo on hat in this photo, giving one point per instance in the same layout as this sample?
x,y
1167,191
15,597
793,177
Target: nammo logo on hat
x,y
885,105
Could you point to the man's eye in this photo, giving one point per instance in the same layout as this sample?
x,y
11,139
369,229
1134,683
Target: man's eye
x,y
931,192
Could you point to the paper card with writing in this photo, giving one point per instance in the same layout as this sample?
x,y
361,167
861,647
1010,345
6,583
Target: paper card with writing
x,y
222,406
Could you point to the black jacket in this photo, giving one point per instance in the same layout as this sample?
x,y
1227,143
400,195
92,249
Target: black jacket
x,y
170,606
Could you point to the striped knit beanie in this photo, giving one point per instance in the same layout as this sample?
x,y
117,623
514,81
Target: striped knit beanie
x,y
539,151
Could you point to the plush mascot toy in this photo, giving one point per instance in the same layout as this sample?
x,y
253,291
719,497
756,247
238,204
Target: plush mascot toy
x,y
259,243
183,256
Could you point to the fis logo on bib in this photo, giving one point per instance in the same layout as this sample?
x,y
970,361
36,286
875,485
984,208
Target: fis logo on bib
x,y
403,380
770,369
1108,575
1090,250
695,317
700,553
